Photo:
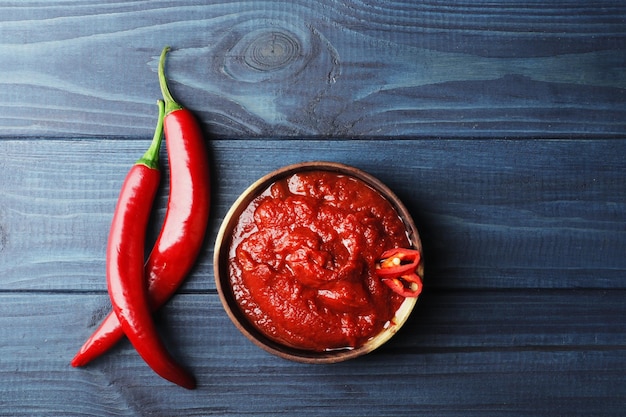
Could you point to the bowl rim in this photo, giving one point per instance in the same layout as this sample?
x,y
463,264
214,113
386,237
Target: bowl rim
x,y
222,277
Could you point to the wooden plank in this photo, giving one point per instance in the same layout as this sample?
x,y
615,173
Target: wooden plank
x,y
288,69
524,239
498,353
493,214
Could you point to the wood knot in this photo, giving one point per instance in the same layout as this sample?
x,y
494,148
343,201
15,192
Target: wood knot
x,y
273,50
270,53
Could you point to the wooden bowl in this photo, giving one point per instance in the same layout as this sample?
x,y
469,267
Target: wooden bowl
x,y
221,267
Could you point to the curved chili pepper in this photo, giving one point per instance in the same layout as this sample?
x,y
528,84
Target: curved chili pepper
x,y
398,261
184,227
125,264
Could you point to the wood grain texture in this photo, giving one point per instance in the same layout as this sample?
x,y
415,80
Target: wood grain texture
x,y
500,124
327,68
492,214
482,353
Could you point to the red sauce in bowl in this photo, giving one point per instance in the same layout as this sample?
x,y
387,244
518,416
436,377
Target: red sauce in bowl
x,y
302,261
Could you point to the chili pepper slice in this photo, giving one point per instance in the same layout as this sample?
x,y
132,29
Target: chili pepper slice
x,y
184,227
125,264
409,285
398,261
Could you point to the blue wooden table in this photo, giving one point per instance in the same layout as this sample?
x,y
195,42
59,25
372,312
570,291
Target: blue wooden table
x,y
500,124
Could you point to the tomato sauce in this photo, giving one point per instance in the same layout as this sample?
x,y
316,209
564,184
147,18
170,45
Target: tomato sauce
x,y
302,261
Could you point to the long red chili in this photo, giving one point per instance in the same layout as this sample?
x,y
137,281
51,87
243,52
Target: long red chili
x,y
125,264
184,227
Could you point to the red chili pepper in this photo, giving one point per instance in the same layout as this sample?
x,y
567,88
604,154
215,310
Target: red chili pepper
x,y
396,269
409,285
125,264
398,261
184,227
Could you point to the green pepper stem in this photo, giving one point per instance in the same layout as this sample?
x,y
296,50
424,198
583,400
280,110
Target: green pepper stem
x,y
170,103
151,157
